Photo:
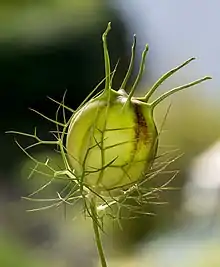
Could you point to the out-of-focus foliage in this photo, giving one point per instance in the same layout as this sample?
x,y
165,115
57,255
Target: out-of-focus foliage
x,y
42,21
14,253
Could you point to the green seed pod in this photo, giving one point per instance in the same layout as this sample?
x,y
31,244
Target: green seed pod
x,y
110,142
112,139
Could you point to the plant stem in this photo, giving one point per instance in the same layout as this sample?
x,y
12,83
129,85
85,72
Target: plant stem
x,y
95,222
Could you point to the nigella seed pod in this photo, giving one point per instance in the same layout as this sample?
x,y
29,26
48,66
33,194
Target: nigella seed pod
x,y
111,144
112,139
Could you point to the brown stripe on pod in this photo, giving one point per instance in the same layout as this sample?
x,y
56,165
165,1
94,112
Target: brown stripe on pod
x,y
141,128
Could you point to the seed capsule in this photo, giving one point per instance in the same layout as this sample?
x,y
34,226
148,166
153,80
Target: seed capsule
x,y
111,144
112,139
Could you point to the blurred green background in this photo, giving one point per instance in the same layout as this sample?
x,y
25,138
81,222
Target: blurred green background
x,y
50,46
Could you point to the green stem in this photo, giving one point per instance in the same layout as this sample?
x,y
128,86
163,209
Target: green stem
x,y
106,59
165,77
179,88
95,221
131,65
140,73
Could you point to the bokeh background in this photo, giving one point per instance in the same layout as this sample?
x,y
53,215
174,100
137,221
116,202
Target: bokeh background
x,y
52,46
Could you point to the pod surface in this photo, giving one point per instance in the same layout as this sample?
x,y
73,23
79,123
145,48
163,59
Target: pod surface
x,y
111,145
